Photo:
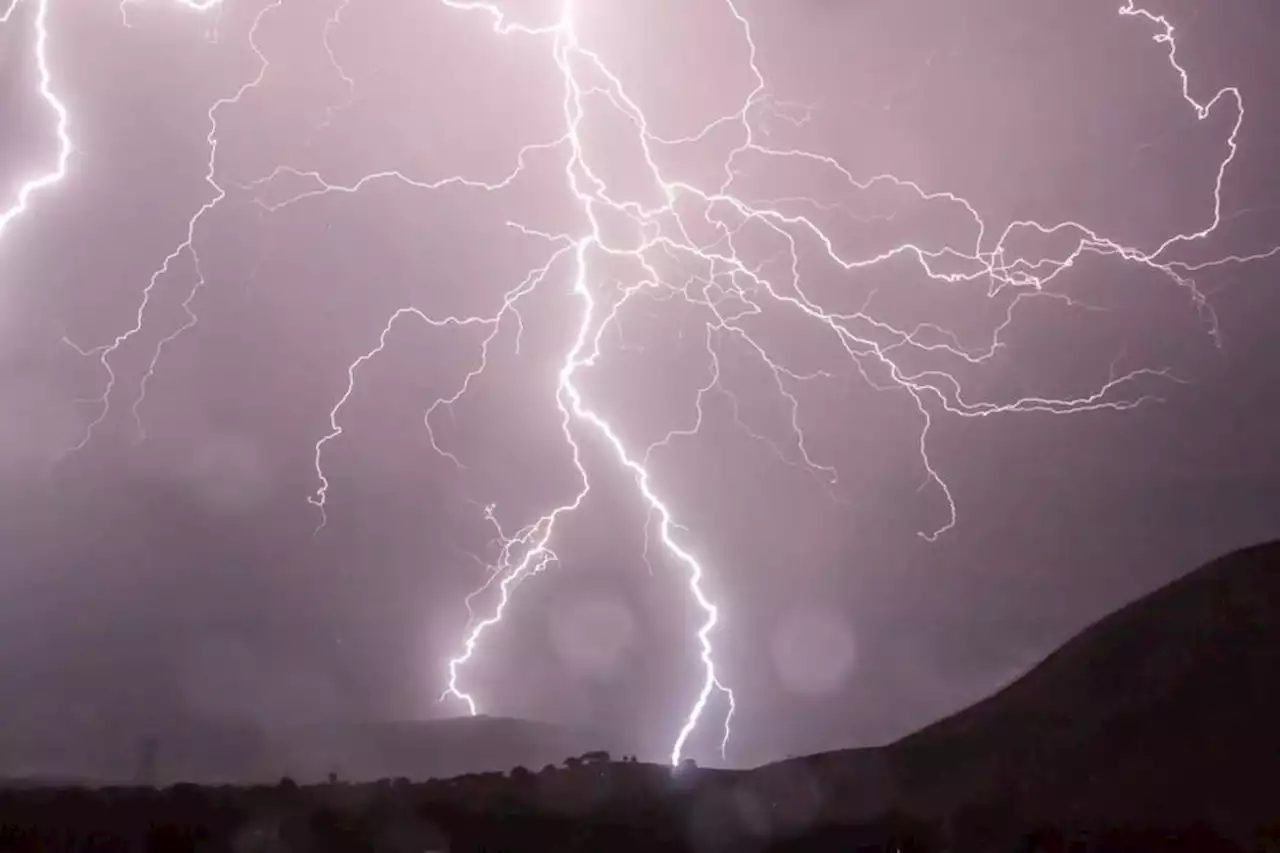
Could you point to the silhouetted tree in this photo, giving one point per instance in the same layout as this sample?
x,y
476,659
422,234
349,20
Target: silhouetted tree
x,y
573,761
597,756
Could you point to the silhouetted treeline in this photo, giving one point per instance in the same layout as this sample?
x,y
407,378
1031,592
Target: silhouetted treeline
x,y
590,804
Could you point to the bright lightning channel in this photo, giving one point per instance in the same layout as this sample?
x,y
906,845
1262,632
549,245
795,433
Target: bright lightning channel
x,y
527,553
55,174
725,287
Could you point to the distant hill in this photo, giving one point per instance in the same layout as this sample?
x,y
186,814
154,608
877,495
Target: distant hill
x,y
1164,711
433,749
239,752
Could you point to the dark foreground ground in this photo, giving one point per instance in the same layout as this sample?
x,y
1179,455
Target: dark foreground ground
x,y
609,808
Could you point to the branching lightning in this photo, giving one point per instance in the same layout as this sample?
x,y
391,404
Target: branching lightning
x,y
331,112
715,280
105,352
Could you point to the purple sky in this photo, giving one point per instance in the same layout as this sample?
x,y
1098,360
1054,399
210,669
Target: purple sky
x,y
178,577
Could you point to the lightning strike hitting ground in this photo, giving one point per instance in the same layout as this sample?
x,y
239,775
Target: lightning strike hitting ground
x,y
716,280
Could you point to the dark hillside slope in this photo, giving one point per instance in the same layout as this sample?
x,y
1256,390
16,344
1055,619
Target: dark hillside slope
x,y
1167,708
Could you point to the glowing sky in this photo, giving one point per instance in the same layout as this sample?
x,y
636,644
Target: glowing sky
x,y
769,299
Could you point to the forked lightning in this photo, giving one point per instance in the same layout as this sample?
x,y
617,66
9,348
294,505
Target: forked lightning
x,y
715,279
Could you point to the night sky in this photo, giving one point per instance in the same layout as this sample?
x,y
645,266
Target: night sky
x,y
175,572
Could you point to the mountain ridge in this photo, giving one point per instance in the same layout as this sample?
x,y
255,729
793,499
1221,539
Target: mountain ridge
x,y
1161,709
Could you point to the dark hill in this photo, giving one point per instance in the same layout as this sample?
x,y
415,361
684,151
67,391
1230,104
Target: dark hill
x,y
1164,711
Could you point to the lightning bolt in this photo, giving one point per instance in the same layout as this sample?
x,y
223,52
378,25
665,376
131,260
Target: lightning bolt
x,y
187,246
712,277
193,5
331,112
58,171
527,553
